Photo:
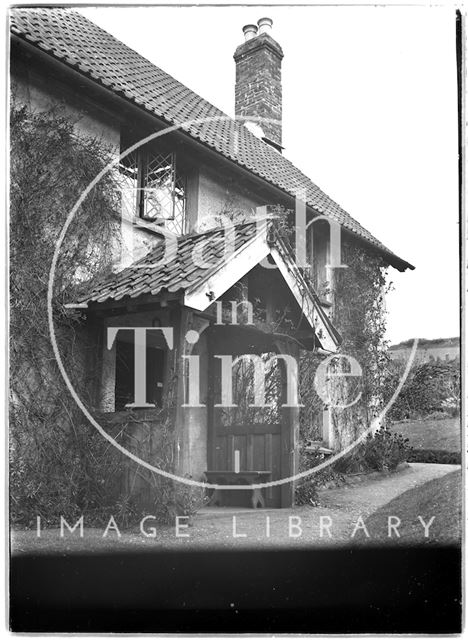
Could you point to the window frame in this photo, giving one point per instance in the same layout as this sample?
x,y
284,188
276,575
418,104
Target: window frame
x,y
142,157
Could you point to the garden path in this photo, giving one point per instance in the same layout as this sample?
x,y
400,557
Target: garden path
x,y
230,528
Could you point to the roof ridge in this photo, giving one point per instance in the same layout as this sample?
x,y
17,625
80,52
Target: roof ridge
x,y
220,112
61,32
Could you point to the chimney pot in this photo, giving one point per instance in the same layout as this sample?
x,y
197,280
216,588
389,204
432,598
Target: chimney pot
x,y
264,25
250,31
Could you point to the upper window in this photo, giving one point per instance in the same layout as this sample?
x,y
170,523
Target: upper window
x,y
153,189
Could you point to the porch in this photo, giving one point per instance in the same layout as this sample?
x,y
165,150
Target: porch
x,y
199,365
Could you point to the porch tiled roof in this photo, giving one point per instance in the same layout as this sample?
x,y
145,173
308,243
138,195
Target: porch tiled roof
x,y
79,43
178,274
183,274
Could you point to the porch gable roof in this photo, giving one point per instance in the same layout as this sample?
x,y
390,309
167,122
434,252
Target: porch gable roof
x,y
200,271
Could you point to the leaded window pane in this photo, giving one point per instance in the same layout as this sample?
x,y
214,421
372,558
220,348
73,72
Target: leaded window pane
x,y
163,195
152,189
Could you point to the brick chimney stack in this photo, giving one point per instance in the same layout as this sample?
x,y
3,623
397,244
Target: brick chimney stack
x,y
258,79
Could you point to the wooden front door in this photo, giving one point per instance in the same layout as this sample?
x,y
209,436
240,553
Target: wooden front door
x,y
259,447
264,441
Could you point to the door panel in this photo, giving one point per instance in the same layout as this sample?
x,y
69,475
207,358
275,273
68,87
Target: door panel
x,y
259,450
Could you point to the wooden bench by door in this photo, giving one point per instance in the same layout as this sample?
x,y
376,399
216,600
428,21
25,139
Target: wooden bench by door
x,y
259,447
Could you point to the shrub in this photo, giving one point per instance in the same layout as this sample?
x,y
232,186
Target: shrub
x,y
430,388
65,471
188,499
306,491
306,494
353,462
385,450
310,458
451,407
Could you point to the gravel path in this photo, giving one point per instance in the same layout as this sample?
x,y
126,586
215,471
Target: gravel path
x,y
333,522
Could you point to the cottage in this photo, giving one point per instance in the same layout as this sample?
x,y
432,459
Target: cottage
x,y
206,279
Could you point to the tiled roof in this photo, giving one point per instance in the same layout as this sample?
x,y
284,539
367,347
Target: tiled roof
x,y
178,274
182,273
79,43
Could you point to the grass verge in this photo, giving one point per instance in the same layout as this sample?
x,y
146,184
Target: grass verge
x,y
431,434
441,498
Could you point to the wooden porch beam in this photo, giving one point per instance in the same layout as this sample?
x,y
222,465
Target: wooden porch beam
x,y
142,303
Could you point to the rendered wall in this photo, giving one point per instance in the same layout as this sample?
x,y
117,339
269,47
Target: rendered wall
x,y
216,197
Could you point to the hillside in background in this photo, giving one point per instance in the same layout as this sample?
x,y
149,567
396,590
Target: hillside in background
x,y
436,350
424,342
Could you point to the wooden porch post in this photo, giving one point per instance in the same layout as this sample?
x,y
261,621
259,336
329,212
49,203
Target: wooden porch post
x,y
108,366
174,381
210,430
289,429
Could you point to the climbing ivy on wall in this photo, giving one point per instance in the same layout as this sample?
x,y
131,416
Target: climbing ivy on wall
x,y
59,464
359,313
360,316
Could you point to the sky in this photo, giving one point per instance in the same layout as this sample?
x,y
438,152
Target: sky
x,y
369,114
